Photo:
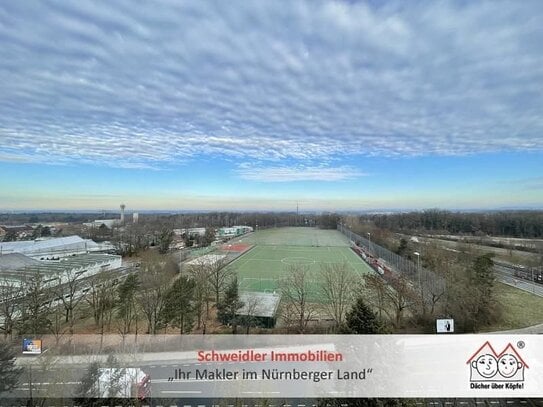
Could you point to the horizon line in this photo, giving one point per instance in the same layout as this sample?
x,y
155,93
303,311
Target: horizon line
x,y
306,211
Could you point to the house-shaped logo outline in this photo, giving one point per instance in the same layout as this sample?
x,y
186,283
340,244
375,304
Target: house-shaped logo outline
x,y
476,377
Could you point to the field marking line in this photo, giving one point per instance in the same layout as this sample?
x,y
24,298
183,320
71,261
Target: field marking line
x,y
242,284
241,265
305,260
269,260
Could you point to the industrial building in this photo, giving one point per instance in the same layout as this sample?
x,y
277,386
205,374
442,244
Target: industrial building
x,y
54,248
107,223
110,223
17,269
234,231
190,232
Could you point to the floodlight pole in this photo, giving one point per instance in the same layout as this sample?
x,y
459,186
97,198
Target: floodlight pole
x,y
418,265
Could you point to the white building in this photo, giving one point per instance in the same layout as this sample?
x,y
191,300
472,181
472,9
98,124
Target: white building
x,y
234,231
190,232
108,223
48,249
17,269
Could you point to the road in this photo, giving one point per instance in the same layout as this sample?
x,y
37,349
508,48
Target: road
x,y
64,379
507,275
189,393
456,246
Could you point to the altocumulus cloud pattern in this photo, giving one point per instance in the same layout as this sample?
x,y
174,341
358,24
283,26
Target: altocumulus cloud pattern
x,y
279,86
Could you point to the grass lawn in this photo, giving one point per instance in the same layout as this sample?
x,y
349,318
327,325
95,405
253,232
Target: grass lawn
x,y
520,308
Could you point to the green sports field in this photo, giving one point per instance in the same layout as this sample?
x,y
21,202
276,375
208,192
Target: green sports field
x,y
261,268
290,236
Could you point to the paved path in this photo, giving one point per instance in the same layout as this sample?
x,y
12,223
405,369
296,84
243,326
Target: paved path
x,y
534,329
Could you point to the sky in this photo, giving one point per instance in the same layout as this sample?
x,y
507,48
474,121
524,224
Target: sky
x,y
242,105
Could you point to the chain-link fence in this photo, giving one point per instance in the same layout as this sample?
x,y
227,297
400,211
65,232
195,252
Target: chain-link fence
x,y
429,283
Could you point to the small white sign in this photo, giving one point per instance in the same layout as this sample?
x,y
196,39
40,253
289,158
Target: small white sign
x,y
444,326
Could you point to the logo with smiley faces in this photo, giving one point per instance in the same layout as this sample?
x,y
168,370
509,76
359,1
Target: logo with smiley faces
x,y
488,365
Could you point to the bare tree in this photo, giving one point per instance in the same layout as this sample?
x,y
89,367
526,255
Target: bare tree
x,y
439,261
250,307
337,286
57,326
9,291
35,306
202,293
219,276
66,291
430,279
101,299
151,301
401,296
297,309
165,239
155,276
127,305
375,288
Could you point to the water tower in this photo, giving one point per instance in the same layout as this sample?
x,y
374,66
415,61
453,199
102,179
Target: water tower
x,y
122,212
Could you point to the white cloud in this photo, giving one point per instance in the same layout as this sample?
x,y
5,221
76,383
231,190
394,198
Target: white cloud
x,y
145,86
297,173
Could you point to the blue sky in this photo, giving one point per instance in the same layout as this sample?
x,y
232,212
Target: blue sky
x,y
259,105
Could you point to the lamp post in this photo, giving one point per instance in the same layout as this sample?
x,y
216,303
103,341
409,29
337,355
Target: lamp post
x,y
420,280
418,269
369,241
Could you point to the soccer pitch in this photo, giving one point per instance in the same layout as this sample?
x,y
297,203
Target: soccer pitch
x,y
300,236
261,268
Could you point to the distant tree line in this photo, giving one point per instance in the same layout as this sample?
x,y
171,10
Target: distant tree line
x,y
184,220
521,224
260,220
53,217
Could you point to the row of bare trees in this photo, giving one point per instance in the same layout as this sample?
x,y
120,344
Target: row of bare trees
x,y
330,293
307,296
52,305
39,305
158,296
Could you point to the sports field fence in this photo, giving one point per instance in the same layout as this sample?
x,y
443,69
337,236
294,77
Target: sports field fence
x,y
429,283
